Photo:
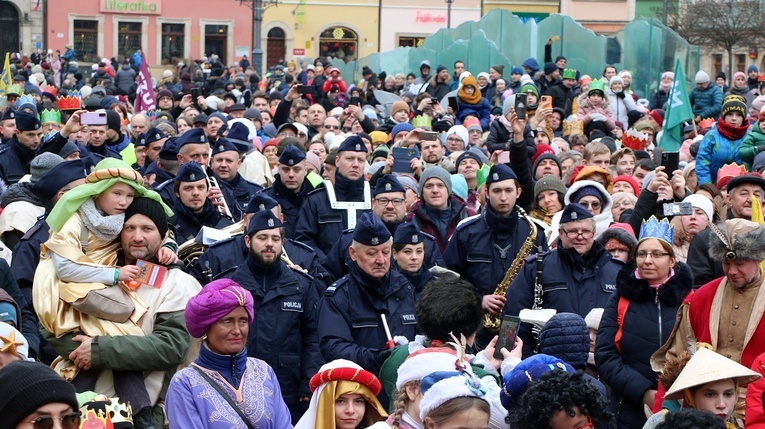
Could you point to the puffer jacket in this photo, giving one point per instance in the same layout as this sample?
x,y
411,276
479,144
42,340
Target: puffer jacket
x,y
647,324
620,106
714,152
748,150
707,103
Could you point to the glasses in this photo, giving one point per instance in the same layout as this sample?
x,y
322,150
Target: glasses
x,y
454,140
285,135
332,127
653,255
69,421
595,205
586,233
384,201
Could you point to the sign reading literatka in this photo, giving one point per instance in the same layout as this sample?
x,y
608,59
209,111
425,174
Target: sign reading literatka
x,y
142,7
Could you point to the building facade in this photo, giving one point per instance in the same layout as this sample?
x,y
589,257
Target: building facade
x,y
21,22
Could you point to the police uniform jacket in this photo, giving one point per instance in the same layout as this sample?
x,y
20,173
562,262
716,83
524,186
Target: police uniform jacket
x,y
166,191
350,326
283,332
290,202
237,193
14,161
186,224
479,251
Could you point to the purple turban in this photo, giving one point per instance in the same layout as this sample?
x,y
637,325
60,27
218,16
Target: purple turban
x,y
214,301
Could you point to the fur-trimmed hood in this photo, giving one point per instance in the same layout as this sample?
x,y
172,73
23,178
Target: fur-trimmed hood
x,y
619,234
672,293
602,221
746,244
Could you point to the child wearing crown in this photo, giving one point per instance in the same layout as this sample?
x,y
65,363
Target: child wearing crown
x,y
721,144
595,107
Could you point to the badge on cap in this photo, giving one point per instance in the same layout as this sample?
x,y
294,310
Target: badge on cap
x,y
387,187
143,141
415,238
271,222
261,207
358,146
220,148
12,115
574,215
202,139
156,136
291,161
193,177
375,241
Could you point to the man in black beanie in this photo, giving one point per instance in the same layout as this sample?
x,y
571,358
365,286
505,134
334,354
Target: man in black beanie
x,y
116,140
34,394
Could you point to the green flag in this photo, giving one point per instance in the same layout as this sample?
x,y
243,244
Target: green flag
x,y
678,111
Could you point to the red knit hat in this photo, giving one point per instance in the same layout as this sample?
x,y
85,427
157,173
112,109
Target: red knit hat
x,y
541,149
631,181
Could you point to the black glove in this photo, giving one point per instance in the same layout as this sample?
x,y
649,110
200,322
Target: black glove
x,y
620,94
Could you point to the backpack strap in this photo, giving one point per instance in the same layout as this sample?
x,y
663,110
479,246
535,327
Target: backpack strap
x,y
621,311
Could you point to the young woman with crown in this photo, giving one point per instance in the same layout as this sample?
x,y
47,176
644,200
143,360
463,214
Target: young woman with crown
x,y
638,320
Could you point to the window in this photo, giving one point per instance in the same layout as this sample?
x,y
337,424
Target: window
x,y
740,63
129,38
338,42
86,40
216,41
410,41
172,42
718,61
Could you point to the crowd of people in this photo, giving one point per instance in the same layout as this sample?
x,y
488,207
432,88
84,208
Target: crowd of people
x,y
303,250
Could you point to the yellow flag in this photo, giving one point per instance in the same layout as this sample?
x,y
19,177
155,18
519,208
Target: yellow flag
x,y
5,78
758,218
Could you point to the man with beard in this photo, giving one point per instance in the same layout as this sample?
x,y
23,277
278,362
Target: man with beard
x,y
193,209
16,155
290,187
335,207
225,164
434,154
226,255
359,310
388,204
283,332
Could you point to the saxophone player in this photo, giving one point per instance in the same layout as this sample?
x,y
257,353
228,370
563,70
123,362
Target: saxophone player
x,y
576,277
484,248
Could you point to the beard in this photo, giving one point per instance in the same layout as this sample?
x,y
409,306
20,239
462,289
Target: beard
x,y
266,260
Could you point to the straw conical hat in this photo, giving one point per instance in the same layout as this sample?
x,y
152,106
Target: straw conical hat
x,y
707,366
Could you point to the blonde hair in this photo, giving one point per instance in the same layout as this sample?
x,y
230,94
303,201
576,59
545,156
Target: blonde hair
x,y
401,402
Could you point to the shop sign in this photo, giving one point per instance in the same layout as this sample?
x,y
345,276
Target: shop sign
x,y
298,52
141,7
427,17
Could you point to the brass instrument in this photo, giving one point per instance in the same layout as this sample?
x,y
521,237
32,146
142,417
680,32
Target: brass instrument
x,y
491,321
212,182
190,251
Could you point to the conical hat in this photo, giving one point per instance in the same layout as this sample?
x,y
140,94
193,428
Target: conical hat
x,y
707,366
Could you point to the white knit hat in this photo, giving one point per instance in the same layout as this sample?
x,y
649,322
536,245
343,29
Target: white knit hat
x,y
593,318
439,387
425,361
702,77
701,202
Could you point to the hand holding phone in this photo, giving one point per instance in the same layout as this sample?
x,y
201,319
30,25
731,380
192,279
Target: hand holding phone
x,y
93,118
545,102
508,331
520,106
504,157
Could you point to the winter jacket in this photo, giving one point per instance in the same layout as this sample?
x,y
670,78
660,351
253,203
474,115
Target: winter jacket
x,y
620,106
743,92
14,161
658,100
500,138
562,97
437,89
749,147
125,78
586,109
714,152
482,110
707,103
420,216
646,326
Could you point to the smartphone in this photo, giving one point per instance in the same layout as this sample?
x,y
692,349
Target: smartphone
x,y
504,157
453,104
354,101
302,89
670,161
677,209
433,101
402,157
508,331
520,106
545,102
93,118
194,95
428,136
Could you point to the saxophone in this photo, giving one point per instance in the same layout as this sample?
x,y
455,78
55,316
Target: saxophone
x,y
491,321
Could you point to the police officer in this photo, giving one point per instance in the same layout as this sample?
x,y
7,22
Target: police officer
x,y
193,209
357,309
16,155
484,247
389,204
283,332
237,191
26,254
333,208
167,164
290,188
7,125
577,276
224,256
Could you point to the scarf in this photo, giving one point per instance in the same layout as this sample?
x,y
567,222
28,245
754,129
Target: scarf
x,y
105,227
507,124
469,99
347,189
732,132
665,87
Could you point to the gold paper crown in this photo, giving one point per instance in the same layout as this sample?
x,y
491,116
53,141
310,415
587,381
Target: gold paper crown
x,y
635,140
73,101
572,126
731,170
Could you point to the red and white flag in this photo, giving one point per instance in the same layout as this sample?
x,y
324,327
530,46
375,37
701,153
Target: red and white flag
x,y
145,99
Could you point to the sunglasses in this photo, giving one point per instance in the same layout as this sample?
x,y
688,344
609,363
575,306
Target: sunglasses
x,y
332,127
69,421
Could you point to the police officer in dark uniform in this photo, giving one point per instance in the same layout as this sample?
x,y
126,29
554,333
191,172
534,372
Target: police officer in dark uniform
x,y
283,332
577,276
225,256
290,188
191,146
389,204
192,209
333,208
26,253
16,155
167,164
484,247
357,309
237,191
7,125
408,240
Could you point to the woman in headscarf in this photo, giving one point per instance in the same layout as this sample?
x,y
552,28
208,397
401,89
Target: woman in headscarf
x,y
224,388
344,397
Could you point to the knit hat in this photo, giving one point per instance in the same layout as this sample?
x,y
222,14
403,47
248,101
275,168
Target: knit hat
x,y
516,70
113,121
436,172
752,68
439,387
615,79
404,126
459,186
423,362
472,124
542,149
499,68
701,202
621,233
593,318
734,103
150,209
379,137
549,182
543,157
468,154
313,160
42,164
398,106
515,382
215,300
759,162
409,183
550,67
508,104
585,191
702,77
26,386
461,132
632,182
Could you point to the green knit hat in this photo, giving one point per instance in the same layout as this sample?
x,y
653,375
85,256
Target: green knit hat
x,y
529,87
